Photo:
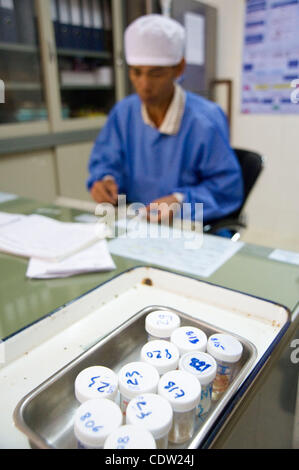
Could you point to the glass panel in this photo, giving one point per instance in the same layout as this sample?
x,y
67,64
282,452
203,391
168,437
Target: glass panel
x,y
20,64
83,33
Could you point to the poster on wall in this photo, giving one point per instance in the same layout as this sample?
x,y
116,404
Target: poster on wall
x,y
270,75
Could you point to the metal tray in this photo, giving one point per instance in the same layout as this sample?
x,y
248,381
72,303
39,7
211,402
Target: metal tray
x,y
46,414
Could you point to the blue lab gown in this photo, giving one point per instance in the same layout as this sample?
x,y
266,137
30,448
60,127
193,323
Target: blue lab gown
x,y
146,164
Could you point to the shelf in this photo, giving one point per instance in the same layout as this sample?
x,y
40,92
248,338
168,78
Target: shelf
x,y
84,53
23,86
14,47
86,87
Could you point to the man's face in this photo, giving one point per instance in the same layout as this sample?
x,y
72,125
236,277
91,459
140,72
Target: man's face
x,y
153,84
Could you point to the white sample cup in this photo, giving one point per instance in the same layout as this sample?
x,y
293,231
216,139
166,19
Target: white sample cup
x,y
163,355
227,352
182,390
94,421
96,382
204,367
154,413
130,436
189,339
136,378
161,323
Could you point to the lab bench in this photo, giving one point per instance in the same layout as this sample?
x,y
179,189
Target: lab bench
x,y
43,330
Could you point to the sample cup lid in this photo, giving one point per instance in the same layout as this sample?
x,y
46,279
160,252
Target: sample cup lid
x,y
95,420
162,323
130,436
135,378
200,364
181,389
161,354
224,347
189,338
151,411
96,382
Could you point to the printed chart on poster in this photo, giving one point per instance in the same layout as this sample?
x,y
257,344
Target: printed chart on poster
x,y
270,82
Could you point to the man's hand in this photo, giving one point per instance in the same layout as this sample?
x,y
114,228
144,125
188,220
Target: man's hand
x,y
162,209
105,191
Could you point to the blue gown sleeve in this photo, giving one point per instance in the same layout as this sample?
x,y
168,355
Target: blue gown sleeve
x,y
219,176
107,154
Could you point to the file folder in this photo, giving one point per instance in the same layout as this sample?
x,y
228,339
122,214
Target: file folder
x,y
98,30
76,22
26,22
87,30
8,25
65,27
55,20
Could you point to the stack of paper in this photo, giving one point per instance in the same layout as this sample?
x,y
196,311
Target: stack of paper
x,y
93,259
45,238
55,249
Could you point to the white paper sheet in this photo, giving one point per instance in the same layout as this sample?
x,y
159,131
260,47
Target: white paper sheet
x,y
195,39
93,259
173,252
285,256
45,238
7,218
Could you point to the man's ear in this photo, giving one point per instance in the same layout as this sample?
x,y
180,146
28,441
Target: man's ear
x,y
180,68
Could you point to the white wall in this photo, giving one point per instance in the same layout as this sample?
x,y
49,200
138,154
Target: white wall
x,y
273,208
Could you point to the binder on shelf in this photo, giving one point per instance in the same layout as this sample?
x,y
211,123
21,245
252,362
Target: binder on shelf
x,y
87,30
26,24
76,24
55,20
65,27
8,24
107,22
98,27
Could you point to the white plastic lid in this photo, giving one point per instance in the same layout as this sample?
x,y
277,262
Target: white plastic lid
x,y
130,437
96,382
189,338
224,347
135,378
181,389
162,323
202,365
151,411
161,354
95,420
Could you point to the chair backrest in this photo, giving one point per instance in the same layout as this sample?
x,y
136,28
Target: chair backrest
x,y
251,164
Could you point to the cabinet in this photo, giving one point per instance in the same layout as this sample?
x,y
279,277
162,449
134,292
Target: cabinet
x,y
61,63
58,64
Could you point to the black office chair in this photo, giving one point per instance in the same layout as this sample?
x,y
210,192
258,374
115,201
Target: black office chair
x,y
251,164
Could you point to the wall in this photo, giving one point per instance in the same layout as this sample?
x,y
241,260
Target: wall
x,y
273,208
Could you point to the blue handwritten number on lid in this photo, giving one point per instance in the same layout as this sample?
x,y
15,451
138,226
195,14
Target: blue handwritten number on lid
x,y
130,374
217,343
171,387
89,423
192,337
201,366
142,414
122,441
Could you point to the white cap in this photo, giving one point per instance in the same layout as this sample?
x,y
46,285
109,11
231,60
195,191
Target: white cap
x,y
151,411
224,347
163,355
154,40
130,437
202,365
96,382
95,420
162,323
135,378
189,338
181,389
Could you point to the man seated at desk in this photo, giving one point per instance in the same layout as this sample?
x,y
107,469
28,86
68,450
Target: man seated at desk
x,y
163,144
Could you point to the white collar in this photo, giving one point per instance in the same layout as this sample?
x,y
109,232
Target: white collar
x,y
173,118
